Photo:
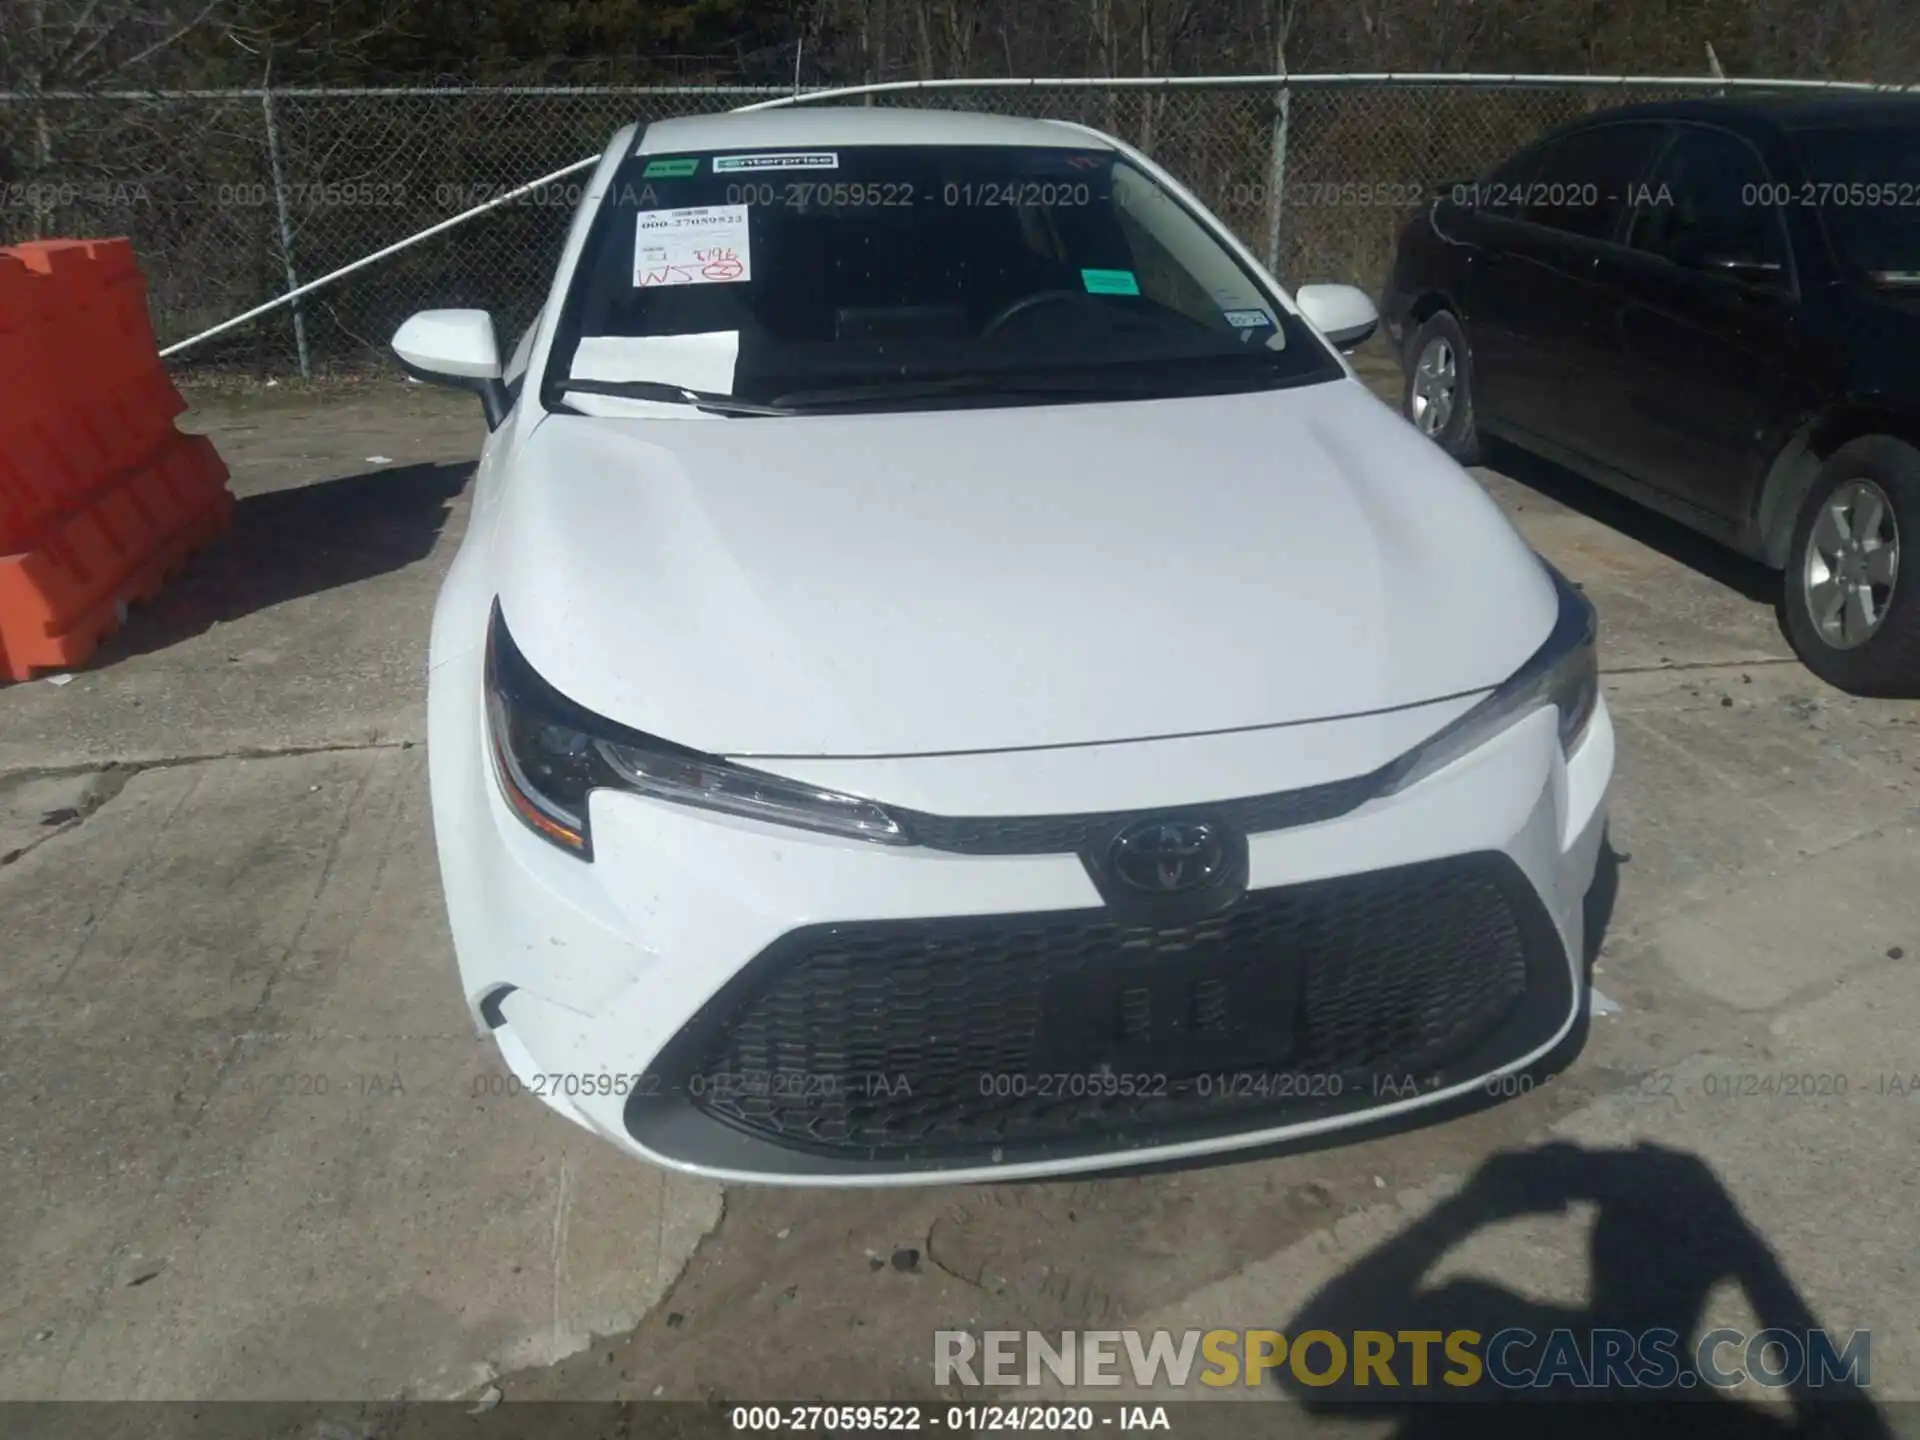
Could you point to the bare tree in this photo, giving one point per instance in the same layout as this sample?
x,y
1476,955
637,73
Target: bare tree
x,y
84,44
51,46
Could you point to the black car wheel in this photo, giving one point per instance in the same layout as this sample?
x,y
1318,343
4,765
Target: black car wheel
x,y
1439,390
1852,599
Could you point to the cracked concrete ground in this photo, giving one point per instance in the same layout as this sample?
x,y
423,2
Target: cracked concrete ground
x,y
247,902
252,1147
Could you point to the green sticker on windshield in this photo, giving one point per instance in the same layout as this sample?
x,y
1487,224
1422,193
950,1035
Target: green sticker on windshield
x,y
657,169
1110,282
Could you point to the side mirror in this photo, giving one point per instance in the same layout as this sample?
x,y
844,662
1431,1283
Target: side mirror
x,y
1344,314
456,348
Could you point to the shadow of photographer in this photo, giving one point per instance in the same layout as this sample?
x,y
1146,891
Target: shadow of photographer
x,y
1666,1234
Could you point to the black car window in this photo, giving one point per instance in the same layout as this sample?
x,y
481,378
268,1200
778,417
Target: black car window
x,y
1580,184
1504,191
1702,208
1864,181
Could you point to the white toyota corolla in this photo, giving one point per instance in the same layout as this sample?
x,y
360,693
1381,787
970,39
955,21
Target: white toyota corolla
x,y
951,677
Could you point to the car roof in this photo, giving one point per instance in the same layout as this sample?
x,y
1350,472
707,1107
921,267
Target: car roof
x,y
857,125
1778,110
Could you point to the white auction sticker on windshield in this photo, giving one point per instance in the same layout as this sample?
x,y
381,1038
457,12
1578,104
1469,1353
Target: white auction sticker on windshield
x,y
777,160
699,245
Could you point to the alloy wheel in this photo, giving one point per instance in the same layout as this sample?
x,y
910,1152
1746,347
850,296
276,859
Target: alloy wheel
x,y
1435,384
1852,560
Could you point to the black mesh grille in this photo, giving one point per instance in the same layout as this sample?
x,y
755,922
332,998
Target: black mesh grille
x,y
1071,834
947,1038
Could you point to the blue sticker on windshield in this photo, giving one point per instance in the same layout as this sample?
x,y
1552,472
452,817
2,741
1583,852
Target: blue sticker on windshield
x,y
1249,319
1110,282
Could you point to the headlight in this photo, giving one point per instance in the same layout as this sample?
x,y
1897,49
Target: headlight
x,y
549,755
1564,672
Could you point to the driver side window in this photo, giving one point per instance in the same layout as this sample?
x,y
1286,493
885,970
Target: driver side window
x,y
1504,191
1701,209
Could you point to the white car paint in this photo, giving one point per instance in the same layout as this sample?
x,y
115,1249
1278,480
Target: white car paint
x,y
888,585
1023,611
452,343
1345,314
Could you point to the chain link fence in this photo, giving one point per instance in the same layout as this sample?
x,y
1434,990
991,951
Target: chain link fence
x,y
233,198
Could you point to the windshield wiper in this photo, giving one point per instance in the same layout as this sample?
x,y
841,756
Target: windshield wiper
x,y
1136,387
1161,378
671,395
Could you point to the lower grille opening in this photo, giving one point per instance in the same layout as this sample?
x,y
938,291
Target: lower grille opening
x,y
1011,1036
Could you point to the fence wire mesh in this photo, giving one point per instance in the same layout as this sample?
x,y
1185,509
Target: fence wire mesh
x,y
230,198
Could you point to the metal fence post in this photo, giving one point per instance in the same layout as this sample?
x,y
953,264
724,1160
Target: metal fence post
x,y
286,230
1277,178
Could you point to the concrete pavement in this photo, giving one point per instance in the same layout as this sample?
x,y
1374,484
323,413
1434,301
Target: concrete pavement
x,y
252,1147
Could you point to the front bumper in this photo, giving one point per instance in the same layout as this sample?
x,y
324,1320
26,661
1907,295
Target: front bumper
x,y
747,1002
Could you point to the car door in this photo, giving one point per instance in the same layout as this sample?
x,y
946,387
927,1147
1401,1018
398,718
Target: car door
x,y
1549,328
1707,324
1493,321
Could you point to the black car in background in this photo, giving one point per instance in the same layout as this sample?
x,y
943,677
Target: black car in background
x,y
1713,307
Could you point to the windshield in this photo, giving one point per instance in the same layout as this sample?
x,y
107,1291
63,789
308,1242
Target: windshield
x,y
1865,179
883,276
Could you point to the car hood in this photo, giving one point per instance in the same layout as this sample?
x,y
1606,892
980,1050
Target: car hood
x,y
989,579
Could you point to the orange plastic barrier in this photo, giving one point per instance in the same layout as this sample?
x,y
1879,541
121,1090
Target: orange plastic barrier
x,y
101,498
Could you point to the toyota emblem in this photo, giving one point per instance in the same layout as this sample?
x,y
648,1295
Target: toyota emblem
x,y
1169,857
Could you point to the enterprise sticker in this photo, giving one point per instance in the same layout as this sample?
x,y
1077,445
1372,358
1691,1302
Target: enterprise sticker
x,y
1248,319
778,160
